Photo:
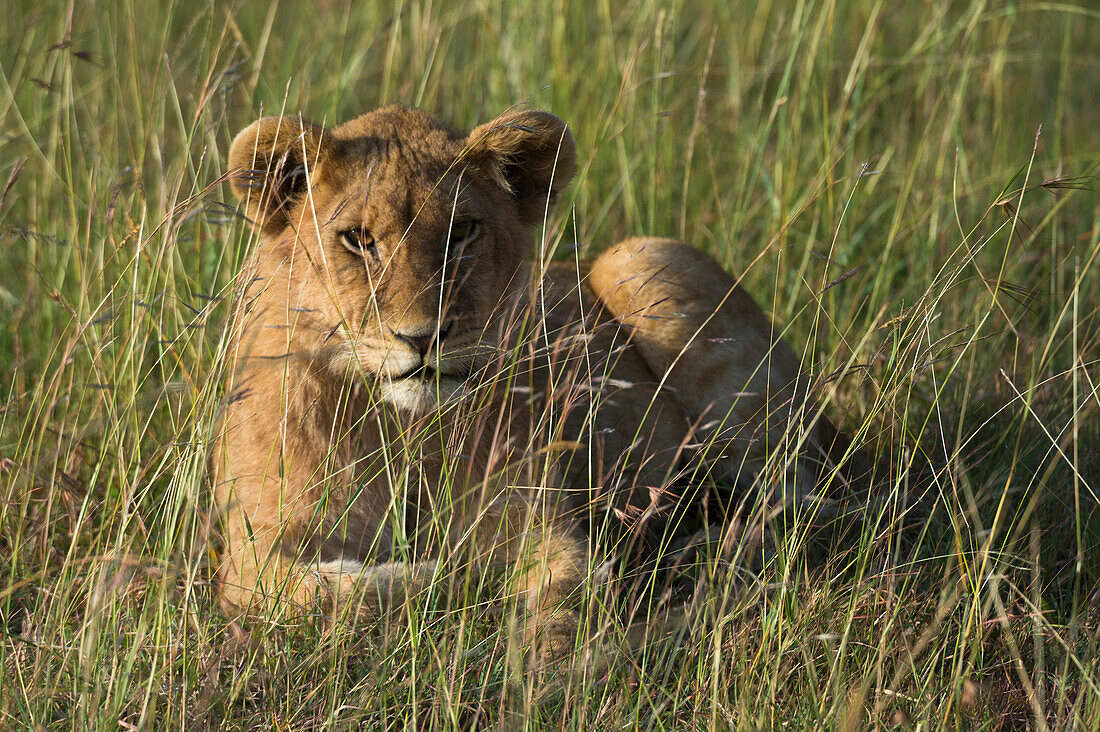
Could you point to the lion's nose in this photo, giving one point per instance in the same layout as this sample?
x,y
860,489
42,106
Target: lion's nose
x,y
422,340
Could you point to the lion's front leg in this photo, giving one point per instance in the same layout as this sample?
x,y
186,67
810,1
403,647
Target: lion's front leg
x,y
261,568
277,484
550,585
258,574
549,557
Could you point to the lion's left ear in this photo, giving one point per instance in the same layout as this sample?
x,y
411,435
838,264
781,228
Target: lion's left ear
x,y
530,154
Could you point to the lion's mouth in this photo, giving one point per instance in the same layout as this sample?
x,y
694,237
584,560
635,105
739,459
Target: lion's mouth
x,y
423,372
428,372
424,388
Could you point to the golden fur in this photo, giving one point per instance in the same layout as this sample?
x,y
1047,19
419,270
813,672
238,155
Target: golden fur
x,y
411,391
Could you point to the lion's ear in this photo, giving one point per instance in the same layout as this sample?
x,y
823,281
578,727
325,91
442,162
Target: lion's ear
x,y
530,154
269,162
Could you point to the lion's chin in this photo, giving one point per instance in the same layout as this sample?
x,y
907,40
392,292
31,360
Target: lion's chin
x,y
419,396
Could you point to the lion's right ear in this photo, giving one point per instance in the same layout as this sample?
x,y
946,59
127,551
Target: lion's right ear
x,y
530,154
269,162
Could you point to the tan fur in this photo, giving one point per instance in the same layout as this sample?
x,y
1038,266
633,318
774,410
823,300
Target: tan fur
x,y
344,475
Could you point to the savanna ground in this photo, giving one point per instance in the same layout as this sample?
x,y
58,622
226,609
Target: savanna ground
x,y
908,187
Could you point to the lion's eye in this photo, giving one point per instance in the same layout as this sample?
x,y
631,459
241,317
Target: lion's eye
x,y
463,231
359,241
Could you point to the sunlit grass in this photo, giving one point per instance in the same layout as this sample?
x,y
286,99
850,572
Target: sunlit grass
x,y
908,187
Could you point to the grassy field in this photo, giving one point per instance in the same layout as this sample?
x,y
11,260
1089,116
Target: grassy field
x,y
910,188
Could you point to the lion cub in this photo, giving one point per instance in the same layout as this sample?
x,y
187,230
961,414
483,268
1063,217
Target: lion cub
x,y
410,391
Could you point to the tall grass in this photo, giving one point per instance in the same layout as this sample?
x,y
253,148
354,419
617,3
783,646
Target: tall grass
x,y
908,187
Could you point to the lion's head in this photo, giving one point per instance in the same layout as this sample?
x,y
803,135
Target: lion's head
x,y
392,244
